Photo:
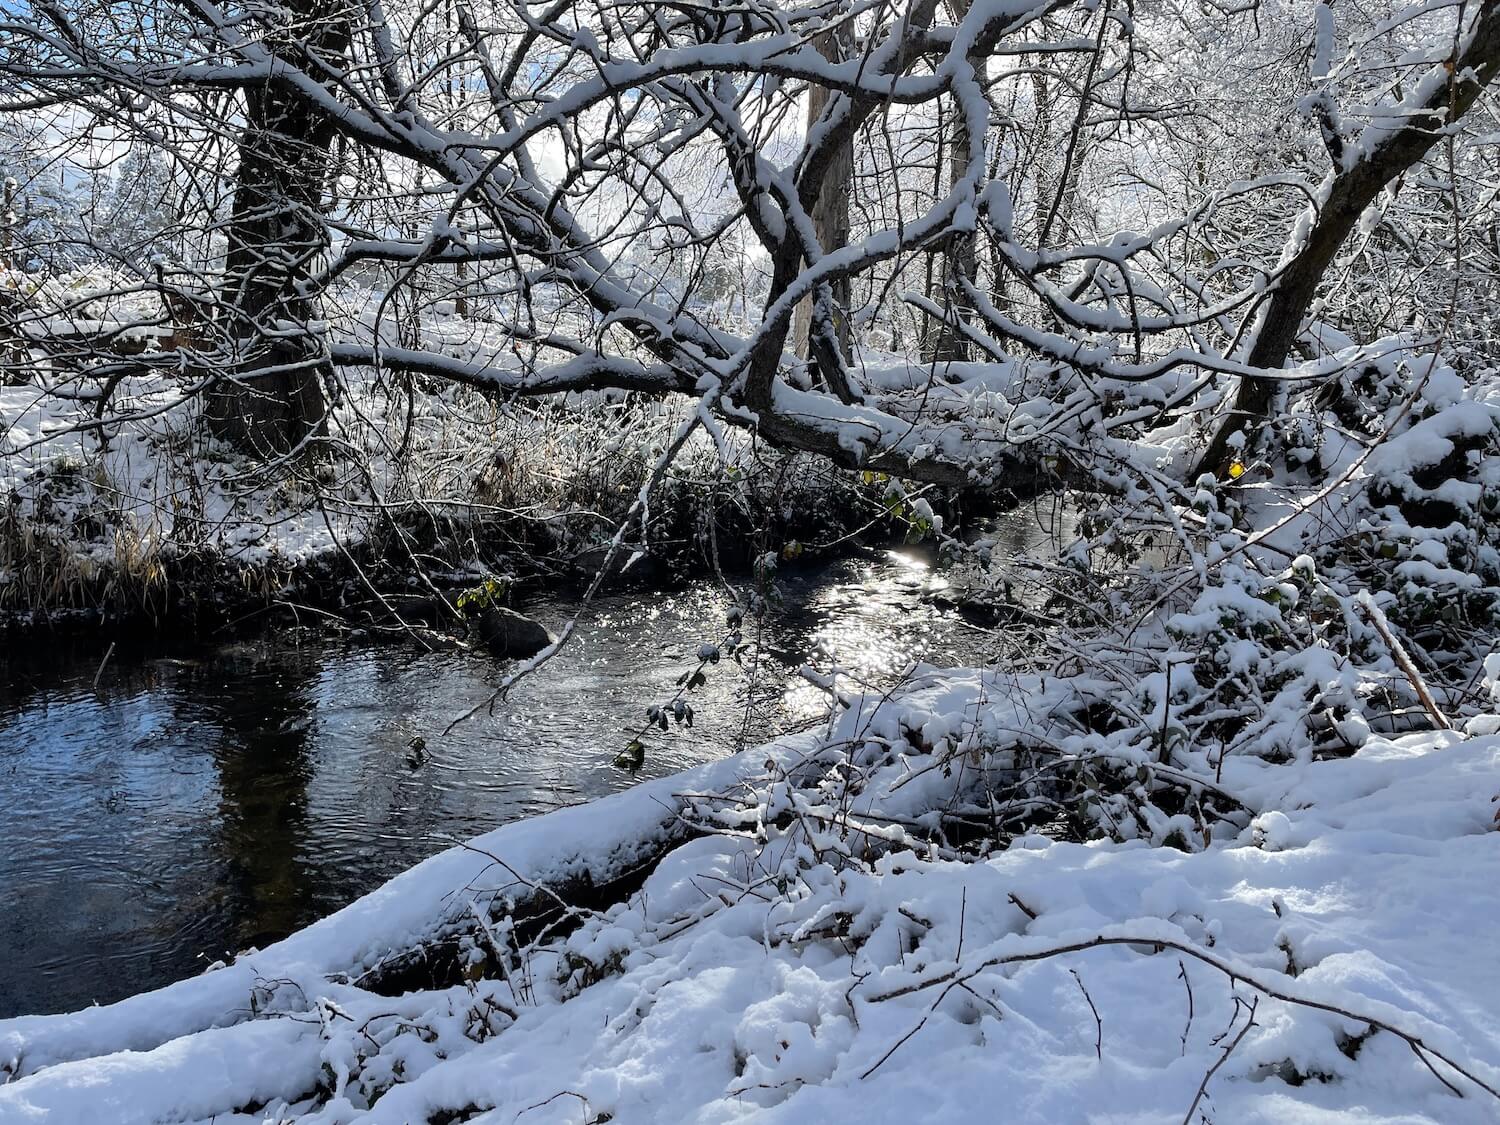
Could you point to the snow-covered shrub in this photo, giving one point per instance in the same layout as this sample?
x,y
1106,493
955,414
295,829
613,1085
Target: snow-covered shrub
x,y
1431,540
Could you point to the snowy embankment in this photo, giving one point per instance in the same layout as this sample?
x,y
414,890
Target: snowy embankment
x,y
109,508
802,951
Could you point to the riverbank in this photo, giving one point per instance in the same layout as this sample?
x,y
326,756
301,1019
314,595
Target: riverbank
x,y
796,923
156,526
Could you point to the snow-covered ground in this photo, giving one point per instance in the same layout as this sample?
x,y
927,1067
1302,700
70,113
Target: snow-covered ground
x,y
805,955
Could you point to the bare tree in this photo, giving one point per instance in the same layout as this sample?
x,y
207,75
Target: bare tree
x,y
1443,93
589,135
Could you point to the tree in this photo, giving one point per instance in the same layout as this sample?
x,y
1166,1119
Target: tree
x,y
1361,171
50,200
139,212
832,180
589,134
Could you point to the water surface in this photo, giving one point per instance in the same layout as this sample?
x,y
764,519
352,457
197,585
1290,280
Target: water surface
x,y
195,802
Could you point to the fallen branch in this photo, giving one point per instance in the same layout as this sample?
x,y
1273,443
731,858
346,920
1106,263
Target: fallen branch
x,y
1234,972
1372,613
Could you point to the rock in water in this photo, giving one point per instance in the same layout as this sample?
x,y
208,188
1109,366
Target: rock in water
x,y
507,633
633,567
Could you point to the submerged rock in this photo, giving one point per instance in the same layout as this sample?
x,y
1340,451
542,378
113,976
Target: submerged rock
x,y
987,612
632,567
507,633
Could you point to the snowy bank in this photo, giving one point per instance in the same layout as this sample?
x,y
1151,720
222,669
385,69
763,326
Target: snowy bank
x,y
162,524
800,951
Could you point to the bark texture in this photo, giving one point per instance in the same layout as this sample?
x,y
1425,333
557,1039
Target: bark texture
x,y
273,399
830,213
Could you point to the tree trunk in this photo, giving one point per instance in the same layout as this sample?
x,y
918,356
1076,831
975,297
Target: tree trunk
x,y
1042,146
830,214
274,400
461,294
960,260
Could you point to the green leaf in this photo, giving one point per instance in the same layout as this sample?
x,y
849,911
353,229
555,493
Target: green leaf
x,y
633,757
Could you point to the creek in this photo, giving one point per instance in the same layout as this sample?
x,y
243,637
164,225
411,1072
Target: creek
x,y
182,802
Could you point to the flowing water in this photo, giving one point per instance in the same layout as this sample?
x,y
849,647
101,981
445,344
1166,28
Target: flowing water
x,y
178,805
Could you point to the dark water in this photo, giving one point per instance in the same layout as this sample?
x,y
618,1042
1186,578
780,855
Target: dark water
x,y
196,802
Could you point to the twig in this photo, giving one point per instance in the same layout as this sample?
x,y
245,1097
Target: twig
x,y
1375,617
1098,1023
107,654
895,1046
963,906
1229,1050
1457,1093
921,1023
1182,975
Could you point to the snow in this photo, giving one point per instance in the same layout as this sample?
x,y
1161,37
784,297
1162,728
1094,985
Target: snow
x,y
783,968
1322,40
161,488
143,481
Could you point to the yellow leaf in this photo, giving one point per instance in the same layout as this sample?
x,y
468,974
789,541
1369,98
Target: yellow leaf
x,y
1236,470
